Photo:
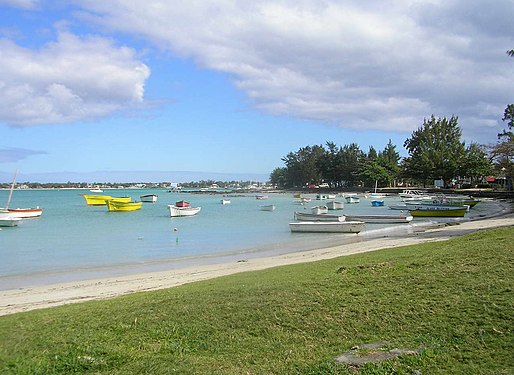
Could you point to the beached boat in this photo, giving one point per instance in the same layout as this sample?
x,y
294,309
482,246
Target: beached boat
x,y
327,227
225,201
439,211
352,199
377,203
7,220
176,211
113,205
303,216
335,205
319,210
150,198
380,219
269,207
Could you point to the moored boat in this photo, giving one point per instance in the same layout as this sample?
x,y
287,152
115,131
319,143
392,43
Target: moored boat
x,y
7,220
380,219
100,200
410,194
23,213
261,197
303,216
319,210
269,207
377,203
352,199
335,205
113,205
327,227
182,204
176,211
225,201
439,211
150,198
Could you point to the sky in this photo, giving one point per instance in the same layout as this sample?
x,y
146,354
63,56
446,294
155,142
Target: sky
x,y
124,91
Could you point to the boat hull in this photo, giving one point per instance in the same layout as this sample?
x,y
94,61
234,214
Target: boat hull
x,y
149,198
7,220
269,207
380,219
327,227
183,211
377,203
352,199
100,200
335,205
301,216
439,211
123,206
24,213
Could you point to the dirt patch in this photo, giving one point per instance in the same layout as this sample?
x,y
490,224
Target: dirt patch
x,y
372,353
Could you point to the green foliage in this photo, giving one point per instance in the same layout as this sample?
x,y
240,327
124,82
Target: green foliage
x,y
451,300
435,150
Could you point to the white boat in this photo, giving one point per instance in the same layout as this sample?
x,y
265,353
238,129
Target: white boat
x,y
261,197
20,212
408,195
402,207
380,219
319,210
303,216
335,205
269,207
352,199
151,198
225,201
327,227
331,196
7,220
96,190
305,199
183,211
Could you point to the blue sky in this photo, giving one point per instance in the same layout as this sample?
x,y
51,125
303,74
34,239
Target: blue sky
x,y
148,90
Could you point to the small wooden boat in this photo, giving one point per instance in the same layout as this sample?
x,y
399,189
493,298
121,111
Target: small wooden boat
x,y
380,219
335,205
269,207
409,194
176,211
23,213
352,199
100,200
319,210
113,205
150,198
327,227
261,197
302,216
182,204
439,211
377,203
225,201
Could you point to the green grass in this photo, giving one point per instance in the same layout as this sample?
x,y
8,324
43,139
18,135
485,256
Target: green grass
x,y
453,300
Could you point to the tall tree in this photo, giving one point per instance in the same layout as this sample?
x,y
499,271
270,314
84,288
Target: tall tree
x,y
435,150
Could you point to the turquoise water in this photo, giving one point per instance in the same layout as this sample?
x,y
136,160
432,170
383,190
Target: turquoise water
x,y
73,241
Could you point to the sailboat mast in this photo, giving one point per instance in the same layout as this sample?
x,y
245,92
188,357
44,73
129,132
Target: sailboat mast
x,y
10,192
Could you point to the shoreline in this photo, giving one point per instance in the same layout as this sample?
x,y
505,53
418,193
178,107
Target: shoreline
x,y
31,298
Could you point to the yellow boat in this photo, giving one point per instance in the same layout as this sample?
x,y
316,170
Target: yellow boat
x,y
439,211
99,200
113,205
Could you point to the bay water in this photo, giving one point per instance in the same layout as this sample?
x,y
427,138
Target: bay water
x,y
73,241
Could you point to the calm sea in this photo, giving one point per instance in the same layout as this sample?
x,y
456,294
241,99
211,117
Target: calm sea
x,y
73,241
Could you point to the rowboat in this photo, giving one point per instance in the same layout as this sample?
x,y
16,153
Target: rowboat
x,y
380,219
302,216
377,203
335,205
151,198
319,210
261,197
352,199
439,211
100,200
183,211
113,205
269,207
327,227
182,204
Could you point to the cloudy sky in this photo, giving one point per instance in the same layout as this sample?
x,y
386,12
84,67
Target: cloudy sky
x,y
233,86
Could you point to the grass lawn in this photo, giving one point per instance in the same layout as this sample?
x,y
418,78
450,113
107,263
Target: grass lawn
x,y
451,301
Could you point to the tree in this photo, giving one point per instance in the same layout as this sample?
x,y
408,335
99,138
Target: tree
x,y
476,165
435,150
278,177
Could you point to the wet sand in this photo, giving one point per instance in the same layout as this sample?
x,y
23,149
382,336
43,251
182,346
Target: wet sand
x,y
31,298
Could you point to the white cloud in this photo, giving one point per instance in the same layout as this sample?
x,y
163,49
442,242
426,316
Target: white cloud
x,y
366,65
71,79
22,4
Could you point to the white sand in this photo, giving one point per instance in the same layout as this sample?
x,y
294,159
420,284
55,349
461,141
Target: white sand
x,y
25,299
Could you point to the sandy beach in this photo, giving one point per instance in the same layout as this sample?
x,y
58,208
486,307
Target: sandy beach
x,y
25,299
